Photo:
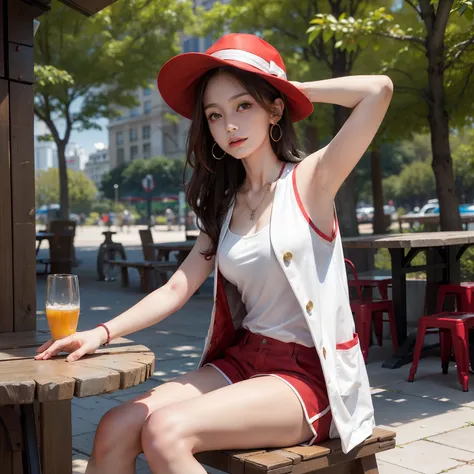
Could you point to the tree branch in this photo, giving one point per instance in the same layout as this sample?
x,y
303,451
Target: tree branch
x,y
466,83
461,48
412,39
413,6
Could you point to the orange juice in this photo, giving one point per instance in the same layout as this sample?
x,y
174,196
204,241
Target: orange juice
x,y
62,320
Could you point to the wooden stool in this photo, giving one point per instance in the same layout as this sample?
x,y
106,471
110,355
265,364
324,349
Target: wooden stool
x,y
326,458
453,333
464,293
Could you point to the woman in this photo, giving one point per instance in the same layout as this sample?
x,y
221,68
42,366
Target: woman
x,y
281,364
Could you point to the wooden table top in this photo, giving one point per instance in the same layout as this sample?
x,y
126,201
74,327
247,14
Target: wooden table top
x,y
183,245
122,364
410,240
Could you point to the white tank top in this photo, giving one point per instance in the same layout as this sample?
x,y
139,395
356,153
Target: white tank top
x,y
272,308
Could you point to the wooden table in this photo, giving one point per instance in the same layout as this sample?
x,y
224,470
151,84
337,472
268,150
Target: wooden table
x,y
163,250
35,397
40,236
444,251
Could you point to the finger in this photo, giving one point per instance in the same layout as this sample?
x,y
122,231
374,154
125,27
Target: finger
x,y
44,346
76,354
55,348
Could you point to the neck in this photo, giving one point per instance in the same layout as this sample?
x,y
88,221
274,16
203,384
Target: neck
x,y
261,169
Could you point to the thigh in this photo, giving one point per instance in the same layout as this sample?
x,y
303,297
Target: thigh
x,y
262,411
131,415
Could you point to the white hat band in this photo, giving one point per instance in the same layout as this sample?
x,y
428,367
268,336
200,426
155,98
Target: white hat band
x,y
252,60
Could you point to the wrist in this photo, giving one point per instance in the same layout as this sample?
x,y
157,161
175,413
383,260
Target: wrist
x,y
104,334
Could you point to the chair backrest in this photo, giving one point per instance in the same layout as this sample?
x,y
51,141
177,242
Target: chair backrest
x,y
61,253
62,227
147,238
354,282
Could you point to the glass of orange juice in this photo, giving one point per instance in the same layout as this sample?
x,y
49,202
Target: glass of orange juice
x,y
62,305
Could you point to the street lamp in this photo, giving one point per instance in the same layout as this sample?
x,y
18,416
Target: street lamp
x,y
116,190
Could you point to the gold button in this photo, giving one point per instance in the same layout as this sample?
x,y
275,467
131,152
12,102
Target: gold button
x,y
309,306
324,352
287,257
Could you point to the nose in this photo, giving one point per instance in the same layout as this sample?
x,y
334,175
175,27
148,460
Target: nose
x,y
232,127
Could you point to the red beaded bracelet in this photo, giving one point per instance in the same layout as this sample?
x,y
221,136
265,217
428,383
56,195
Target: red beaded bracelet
x,y
106,343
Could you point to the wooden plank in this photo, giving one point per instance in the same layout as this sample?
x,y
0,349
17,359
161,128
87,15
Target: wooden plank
x,y
23,206
14,340
18,377
20,21
309,452
21,64
6,269
133,368
56,437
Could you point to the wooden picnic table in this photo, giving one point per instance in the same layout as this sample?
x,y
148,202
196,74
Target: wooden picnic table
x,y
34,391
444,251
163,250
40,236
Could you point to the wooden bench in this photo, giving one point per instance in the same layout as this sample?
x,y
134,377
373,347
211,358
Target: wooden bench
x,y
147,270
325,458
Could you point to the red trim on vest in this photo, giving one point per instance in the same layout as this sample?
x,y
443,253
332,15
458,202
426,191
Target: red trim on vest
x,y
306,215
223,331
349,344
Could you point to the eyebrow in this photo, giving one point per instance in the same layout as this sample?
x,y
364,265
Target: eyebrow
x,y
231,99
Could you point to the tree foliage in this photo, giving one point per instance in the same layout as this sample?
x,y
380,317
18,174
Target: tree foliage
x,y
167,175
86,67
82,191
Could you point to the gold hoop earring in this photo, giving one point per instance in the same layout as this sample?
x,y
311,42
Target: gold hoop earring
x,y
217,157
271,133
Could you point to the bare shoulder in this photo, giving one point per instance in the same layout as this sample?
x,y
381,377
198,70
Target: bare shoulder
x,y
194,270
317,201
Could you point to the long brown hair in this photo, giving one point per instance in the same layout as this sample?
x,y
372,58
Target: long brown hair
x,y
214,183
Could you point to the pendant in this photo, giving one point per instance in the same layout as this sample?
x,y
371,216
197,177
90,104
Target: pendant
x,y
252,215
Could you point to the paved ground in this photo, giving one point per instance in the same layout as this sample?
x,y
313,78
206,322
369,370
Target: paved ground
x,y
433,418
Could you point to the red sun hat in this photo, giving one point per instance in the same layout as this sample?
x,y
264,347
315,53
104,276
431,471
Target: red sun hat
x,y
178,78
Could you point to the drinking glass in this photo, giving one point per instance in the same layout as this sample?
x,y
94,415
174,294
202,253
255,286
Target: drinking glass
x,y
62,305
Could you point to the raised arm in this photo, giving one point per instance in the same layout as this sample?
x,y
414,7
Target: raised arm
x,y
152,309
369,97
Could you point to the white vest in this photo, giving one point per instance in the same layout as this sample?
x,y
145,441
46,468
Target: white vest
x,y
315,269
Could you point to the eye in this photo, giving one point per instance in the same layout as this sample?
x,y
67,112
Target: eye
x,y
244,106
213,116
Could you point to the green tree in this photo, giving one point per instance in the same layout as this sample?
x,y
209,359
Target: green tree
x,y
82,191
87,67
167,175
305,62
433,34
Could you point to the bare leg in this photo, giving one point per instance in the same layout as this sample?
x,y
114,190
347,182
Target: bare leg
x,y
262,411
117,441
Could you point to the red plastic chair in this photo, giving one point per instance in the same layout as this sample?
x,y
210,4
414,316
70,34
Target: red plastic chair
x,y
463,292
453,333
365,310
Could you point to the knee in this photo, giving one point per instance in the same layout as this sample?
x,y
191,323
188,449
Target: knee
x,y
165,435
115,432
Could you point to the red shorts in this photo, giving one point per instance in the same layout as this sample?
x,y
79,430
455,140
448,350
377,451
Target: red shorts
x,y
253,355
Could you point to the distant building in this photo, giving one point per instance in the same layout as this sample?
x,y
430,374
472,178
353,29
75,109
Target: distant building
x,y
76,157
145,131
46,155
97,165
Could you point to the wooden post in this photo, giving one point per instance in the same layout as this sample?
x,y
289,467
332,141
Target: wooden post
x,y
17,188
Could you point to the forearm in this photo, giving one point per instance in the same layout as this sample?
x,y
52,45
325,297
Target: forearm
x,y
150,310
347,91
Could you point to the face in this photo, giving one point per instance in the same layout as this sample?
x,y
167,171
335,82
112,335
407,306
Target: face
x,y
238,123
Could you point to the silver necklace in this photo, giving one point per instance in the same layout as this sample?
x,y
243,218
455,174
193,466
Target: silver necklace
x,y
254,209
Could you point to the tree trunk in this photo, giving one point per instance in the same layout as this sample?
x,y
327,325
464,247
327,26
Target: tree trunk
x,y
377,192
310,137
63,181
346,197
442,163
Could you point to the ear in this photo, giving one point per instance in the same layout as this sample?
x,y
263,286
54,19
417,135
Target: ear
x,y
277,111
